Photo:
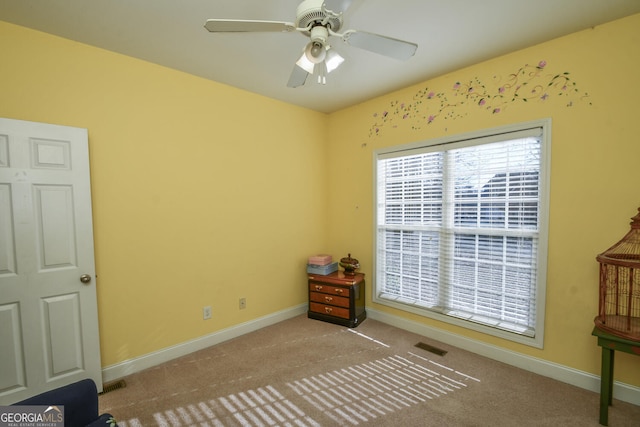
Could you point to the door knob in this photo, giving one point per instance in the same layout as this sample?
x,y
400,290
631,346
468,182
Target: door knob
x,y
85,278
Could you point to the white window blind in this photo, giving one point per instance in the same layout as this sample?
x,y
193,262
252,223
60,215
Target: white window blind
x,y
458,229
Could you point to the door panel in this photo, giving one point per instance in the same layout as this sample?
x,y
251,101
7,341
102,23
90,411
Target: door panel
x,y
55,226
63,350
7,240
11,351
4,151
48,317
50,154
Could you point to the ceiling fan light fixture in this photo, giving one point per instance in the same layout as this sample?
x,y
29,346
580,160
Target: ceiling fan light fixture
x,y
333,60
305,64
330,61
315,52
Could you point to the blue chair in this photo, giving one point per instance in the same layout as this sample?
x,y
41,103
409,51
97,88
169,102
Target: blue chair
x,y
80,401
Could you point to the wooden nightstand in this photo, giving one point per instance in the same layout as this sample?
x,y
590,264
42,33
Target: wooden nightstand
x,y
337,298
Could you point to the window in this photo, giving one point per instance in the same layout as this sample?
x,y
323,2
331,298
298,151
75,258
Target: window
x,y
461,230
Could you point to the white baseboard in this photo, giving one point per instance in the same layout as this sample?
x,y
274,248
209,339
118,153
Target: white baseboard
x,y
585,380
131,366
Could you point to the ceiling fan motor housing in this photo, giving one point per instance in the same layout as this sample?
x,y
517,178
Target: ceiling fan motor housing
x,y
310,13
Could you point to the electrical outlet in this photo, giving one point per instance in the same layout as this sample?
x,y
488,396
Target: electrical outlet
x,y
206,312
243,303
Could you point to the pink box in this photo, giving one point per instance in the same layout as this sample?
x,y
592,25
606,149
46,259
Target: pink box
x,y
320,259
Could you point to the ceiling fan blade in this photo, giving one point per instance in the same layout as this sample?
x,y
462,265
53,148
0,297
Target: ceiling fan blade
x,y
383,45
243,25
337,5
298,77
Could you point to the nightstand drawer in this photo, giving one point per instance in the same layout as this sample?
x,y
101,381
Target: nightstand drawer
x,y
329,299
329,289
337,298
329,310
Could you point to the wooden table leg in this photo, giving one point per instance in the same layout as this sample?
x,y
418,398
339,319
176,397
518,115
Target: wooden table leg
x,y
606,384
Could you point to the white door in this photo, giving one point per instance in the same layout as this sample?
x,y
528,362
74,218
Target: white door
x,y
48,309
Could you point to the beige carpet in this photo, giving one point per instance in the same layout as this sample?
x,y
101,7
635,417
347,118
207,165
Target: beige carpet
x,y
304,372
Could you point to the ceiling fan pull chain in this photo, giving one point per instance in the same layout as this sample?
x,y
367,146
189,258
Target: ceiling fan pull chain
x,y
322,73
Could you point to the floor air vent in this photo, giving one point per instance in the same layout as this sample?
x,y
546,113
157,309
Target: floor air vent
x,y
432,349
113,386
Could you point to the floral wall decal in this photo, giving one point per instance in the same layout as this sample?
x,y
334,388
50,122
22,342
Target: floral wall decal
x,y
527,84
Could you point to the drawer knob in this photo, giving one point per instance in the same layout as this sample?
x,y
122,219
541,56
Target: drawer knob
x,y
318,287
328,299
328,309
339,290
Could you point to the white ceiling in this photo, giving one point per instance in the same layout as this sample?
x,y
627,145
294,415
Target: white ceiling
x,y
450,34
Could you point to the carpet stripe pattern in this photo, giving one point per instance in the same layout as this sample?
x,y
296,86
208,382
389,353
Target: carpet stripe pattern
x,y
350,396
364,392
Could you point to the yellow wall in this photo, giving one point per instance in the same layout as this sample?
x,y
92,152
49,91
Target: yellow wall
x,y
200,191
595,175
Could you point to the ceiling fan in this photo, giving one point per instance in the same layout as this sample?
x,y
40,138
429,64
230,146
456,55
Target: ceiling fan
x,y
319,20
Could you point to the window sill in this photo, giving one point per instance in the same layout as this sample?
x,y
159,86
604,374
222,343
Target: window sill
x,y
522,336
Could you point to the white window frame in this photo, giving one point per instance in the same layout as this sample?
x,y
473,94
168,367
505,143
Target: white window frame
x,y
533,338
